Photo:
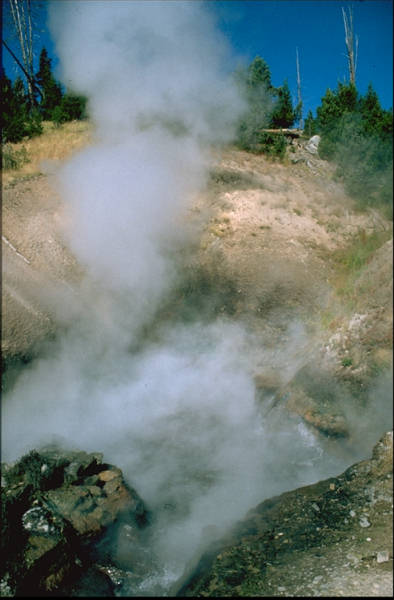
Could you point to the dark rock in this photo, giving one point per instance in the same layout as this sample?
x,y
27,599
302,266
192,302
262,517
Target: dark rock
x,y
309,541
91,582
56,505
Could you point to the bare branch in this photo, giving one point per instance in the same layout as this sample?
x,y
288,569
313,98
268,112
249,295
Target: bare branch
x,y
18,62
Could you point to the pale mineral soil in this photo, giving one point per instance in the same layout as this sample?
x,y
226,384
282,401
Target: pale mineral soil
x,y
268,236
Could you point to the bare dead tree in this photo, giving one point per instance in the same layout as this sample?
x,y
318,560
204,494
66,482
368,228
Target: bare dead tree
x,y
299,103
18,62
351,43
22,19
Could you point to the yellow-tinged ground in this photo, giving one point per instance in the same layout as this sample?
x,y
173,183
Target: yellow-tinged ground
x,y
55,144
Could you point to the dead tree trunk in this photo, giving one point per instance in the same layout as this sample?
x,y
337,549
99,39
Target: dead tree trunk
x,y
299,104
21,16
351,44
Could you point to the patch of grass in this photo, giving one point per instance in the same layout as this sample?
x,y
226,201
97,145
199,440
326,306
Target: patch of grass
x,y
234,180
347,362
330,320
353,258
55,143
13,158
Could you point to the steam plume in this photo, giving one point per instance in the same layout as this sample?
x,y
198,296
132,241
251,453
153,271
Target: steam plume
x,y
179,416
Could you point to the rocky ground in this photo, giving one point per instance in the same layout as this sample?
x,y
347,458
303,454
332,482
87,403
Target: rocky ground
x,y
332,538
267,254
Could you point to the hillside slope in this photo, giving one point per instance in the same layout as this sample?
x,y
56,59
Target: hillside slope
x,y
278,248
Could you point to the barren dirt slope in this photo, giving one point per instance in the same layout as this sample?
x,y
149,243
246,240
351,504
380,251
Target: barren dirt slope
x,y
270,237
270,228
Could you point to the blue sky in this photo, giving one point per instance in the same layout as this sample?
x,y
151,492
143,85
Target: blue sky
x,y
274,29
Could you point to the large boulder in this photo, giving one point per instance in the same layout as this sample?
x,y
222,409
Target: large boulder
x,y
56,505
313,144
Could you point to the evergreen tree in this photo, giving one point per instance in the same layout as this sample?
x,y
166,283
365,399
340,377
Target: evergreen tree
x,y
329,110
386,123
255,86
12,121
357,134
259,74
347,97
16,120
267,107
335,104
51,90
310,125
20,94
71,107
284,114
371,112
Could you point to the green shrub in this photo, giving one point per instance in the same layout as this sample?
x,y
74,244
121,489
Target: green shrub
x,y
356,134
33,125
71,108
356,255
17,119
270,143
12,158
347,362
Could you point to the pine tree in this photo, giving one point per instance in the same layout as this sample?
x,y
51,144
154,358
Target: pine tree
x,y
371,111
20,93
17,119
72,107
51,90
13,113
310,126
357,134
284,113
329,110
259,74
335,104
347,97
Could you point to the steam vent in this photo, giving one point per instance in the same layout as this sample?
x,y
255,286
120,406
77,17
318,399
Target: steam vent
x,y
197,307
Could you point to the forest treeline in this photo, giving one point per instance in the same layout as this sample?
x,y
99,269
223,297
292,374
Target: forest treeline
x,y
356,132
22,114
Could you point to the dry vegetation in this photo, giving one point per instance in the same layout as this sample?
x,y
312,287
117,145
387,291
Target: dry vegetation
x,y
55,144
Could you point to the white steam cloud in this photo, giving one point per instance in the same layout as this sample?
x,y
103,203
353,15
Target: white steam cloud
x,y
179,416
154,74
